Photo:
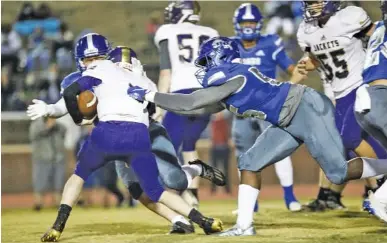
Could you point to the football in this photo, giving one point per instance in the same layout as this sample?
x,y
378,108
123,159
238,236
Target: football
x,y
87,104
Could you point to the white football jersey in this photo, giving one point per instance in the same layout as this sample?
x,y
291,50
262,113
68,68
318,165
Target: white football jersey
x,y
184,40
114,104
340,53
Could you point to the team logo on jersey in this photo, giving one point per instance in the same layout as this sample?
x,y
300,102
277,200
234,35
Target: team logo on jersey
x,y
260,53
323,38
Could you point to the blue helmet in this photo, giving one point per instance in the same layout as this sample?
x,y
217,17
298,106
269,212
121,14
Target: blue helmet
x,y
215,52
68,80
122,55
314,10
383,6
90,45
247,12
182,11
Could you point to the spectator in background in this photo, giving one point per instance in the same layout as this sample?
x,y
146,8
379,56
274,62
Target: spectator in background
x,y
43,12
48,159
27,12
220,150
11,45
281,18
154,22
61,54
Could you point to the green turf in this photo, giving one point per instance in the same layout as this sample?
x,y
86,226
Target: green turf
x,y
273,223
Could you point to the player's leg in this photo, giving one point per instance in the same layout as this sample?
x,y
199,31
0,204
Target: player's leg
x,y
193,128
284,171
272,145
89,159
244,133
131,183
173,175
319,133
374,121
378,202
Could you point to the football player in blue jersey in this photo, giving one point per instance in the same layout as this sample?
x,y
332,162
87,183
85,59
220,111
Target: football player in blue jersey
x,y
371,100
265,52
298,115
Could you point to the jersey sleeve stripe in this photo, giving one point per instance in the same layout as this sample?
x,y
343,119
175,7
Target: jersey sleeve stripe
x,y
275,53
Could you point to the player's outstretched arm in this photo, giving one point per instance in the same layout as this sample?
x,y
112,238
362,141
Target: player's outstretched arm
x,y
214,108
196,100
40,109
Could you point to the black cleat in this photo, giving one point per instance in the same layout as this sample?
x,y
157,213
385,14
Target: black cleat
x,y
212,225
182,228
334,203
316,205
210,173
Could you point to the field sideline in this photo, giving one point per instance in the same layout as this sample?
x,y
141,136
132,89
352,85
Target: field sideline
x,y
273,223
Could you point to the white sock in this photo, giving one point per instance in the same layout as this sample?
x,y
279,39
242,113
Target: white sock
x,y
247,196
284,170
373,167
179,218
381,193
191,171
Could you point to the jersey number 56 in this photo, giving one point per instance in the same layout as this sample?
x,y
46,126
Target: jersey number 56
x,y
189,46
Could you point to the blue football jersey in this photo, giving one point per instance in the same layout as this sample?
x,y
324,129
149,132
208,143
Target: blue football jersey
x,y
375,66
260,96
68,80
266,55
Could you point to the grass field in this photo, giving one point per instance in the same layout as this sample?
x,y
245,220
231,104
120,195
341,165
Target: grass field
x,y
273,223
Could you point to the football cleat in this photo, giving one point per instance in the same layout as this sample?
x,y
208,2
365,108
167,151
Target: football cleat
x,y
182,228
210,173
212,225
316,205
335,203
236,231
51,235
379,206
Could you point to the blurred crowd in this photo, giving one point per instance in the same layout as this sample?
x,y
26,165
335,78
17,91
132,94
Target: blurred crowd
x,y
36,54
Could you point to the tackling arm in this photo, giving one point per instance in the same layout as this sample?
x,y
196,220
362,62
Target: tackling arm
x,y
199,99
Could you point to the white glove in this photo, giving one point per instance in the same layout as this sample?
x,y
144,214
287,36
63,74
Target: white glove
x,y
137,67
37,110
87,121
363,99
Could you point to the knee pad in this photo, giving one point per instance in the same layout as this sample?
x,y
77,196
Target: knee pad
x,y
135,190
175,179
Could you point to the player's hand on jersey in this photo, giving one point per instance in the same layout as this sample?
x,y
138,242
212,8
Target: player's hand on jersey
x,y
137,93
38,109
137,67
85,121
159,114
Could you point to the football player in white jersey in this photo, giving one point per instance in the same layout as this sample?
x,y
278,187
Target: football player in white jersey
x,y
178,43
332,36
371,101
121,134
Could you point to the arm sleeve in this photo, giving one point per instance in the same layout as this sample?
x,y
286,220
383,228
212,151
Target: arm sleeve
x,y
300,37
280,56
71,101
58,109
199,98
165,62
210,109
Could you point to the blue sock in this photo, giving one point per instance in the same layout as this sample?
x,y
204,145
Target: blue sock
x,y
289,195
